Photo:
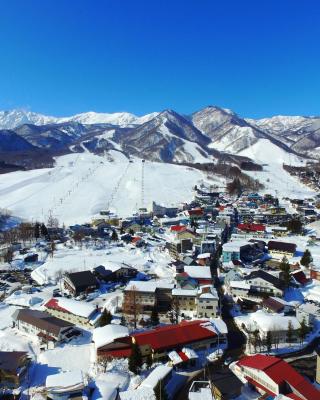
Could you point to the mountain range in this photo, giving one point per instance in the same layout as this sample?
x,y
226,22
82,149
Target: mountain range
x,y
202,137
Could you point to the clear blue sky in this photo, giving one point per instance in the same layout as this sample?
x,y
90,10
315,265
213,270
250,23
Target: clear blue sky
x,y
257,57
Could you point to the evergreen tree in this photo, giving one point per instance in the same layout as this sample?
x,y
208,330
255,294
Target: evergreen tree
x,y
43,230
269,341
135,359
290,332
106,318
154,317
217,204
123,321
37,230
114,235
285,272
306,259
303,330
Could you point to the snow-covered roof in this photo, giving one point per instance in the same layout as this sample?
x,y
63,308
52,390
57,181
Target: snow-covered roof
x,y
108,333
184,292
80,308
194,271
158,374
65,381
234,246
219,325
148,286
204,255
142,393
239,284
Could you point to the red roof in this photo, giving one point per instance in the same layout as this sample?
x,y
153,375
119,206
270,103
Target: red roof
x,y
252,227
122,353
280,371
300,277
183,356
177,228
195,211
54,304
173,336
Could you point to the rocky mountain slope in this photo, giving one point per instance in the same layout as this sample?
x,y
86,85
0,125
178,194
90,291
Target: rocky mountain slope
x,y
205,136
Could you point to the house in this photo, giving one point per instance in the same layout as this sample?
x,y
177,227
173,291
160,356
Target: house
x,y
160,375
225,384
159,342
65,385
160,211
279,250
79,283
76,312
276,324
50,330
277,305
200,390
199,273
195,213
262,283
232,250
186,301
207,302
299,277
143,296
115,273
260,228
113,340
204,258
13,368
270,375
199,303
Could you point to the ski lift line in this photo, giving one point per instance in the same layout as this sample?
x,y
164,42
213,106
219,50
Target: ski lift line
x,y
116,187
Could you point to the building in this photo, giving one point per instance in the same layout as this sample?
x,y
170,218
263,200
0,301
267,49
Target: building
x,y
115,273
263,283
79,283
207,302
13,368
65,385
200,390
225,384
272,376
140,297
50,330
279,250
73,311
159,342
200,274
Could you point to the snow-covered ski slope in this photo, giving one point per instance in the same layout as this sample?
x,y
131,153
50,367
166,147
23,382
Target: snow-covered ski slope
x,y
276,180
80,185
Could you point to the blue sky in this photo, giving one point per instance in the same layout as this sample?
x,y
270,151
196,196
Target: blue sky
x,y
62,57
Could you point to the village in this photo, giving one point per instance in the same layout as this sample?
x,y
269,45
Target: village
x,y
206,300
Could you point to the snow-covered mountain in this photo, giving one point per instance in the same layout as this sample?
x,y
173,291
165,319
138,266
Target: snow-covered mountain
x,y
301,134
205,136
167,137
14,118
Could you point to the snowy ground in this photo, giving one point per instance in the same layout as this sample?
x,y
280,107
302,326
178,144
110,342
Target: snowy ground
x,y
80,185
275,179
72,260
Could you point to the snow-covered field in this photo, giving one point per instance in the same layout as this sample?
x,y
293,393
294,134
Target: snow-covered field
x,y
80,185
73,260
276,180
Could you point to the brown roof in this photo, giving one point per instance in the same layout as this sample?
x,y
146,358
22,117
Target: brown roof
x,y
282,246
273,304
43,321
11,360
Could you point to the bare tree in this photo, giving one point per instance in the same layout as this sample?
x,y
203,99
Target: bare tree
x,y
131,304
175,311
